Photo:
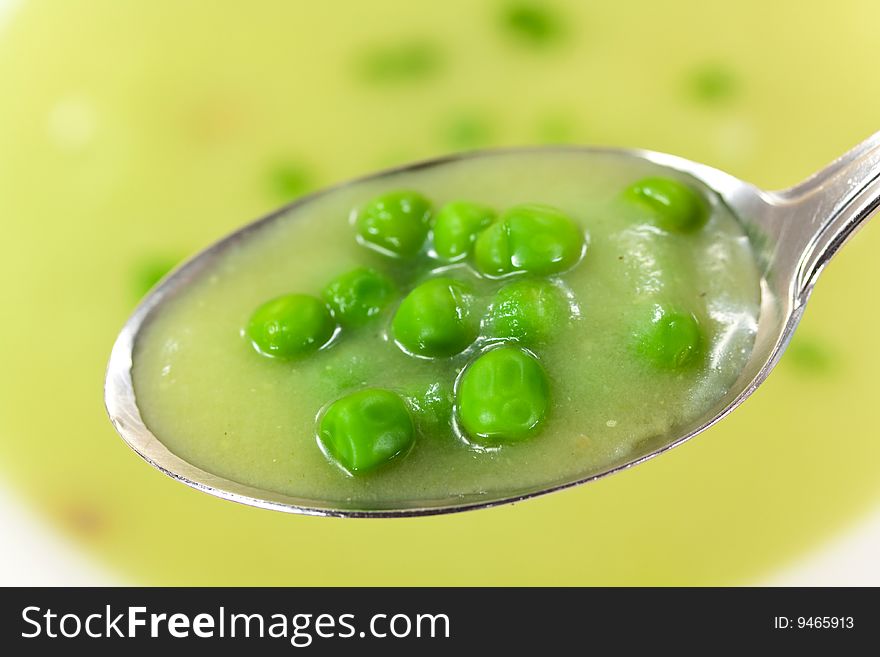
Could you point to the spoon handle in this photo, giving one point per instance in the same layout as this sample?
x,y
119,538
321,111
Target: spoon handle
x,y
829,206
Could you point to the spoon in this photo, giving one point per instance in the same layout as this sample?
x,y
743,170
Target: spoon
x,y
793,233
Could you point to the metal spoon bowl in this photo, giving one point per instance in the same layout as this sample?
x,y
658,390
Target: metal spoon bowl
x,y
793,233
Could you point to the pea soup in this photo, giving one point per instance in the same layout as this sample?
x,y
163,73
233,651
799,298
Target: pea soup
x,y
487,324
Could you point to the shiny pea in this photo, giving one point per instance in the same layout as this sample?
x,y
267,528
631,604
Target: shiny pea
x,y
290,326
431,405
669,339
674,206
365,429
456,228
358,295
536,239
436,319
395,223
529,310
503,396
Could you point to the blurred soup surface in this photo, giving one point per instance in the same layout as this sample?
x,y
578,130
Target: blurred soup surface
x,y
133,134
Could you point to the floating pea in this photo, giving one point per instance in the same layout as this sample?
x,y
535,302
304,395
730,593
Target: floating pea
x,y
395,223
671,339
436,319
536,239
365,429
529,310
290,326
503,396
457,226
359,295
672,205
432,405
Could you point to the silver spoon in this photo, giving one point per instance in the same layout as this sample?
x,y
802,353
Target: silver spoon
x,y
794,233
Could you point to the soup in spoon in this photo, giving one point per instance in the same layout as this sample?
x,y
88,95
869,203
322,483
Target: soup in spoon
x,y
480,325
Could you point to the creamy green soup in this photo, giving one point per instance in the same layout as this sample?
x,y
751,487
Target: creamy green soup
x,y
225,406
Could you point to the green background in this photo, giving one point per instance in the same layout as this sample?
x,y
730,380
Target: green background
x,y
133,134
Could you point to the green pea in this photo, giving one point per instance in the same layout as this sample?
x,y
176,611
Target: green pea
x,y
456,228
395,223
365,429
529,238
358,295
432,405
503,396
672,205
670,339
530,310
290,326
436,319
